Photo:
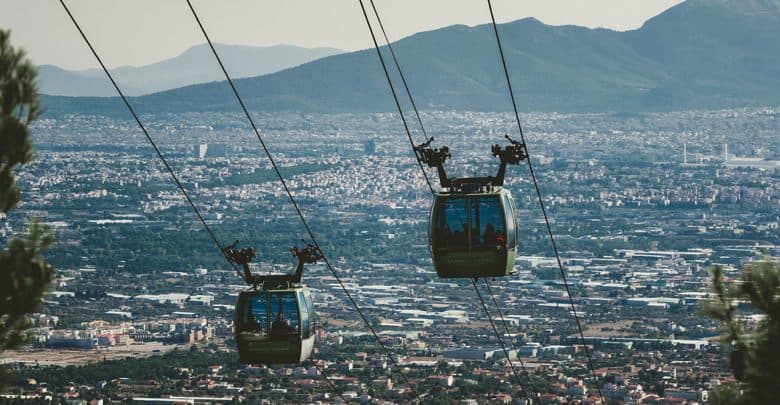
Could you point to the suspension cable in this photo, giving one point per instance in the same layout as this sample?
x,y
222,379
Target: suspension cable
x,y
295,204
422,127
392,90
506,327
400,72
501,342
172,173
149,138
332,385
541,203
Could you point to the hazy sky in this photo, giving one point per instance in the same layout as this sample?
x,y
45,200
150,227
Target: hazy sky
x,y
139,32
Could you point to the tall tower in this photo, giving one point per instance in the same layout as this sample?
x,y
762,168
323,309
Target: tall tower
x,y
725,152
685,153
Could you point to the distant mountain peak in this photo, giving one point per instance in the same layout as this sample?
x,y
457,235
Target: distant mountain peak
x,y
192,66
702,11
699,54
743,7
531,20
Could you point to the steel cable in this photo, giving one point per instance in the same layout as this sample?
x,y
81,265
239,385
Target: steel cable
x,y
541,203
506,327
501,342
149,138
169,168
395,96
400,72
422,127
294,203
332,385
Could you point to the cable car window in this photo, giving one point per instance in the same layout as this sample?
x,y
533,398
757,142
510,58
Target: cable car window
x,y
284,310
487,222
305,318
451,223
312,314
511,219
255,317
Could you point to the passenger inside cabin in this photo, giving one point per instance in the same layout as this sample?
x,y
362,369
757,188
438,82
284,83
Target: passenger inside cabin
x,y
459,238
251,325
490,235
280,329
445,236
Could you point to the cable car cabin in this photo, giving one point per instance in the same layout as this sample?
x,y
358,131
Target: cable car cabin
x,y
473,226
275,326
474,234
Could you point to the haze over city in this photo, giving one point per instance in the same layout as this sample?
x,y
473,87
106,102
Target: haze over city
x,y
147,31
343,223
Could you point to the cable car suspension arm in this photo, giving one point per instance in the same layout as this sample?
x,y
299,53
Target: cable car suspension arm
x,y
308,254
514,153
434,158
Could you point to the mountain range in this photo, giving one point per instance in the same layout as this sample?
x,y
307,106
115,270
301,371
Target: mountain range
x,y
195,65
699,54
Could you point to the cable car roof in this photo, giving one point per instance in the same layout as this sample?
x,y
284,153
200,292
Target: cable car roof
x,y
495,190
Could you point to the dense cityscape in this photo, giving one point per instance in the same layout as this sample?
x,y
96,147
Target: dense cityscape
x,y
642,206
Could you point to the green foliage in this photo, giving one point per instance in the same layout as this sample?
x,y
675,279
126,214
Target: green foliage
x,y
24,274
23,280
161,368
19,105
726,394
755,356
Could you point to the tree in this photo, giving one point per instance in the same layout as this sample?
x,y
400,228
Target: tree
x,y
24,274
725,394
755,356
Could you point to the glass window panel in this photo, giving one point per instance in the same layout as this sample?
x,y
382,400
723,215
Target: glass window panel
x,y
511,237
451,223
305,318
255,314
312,315
312,311
284,310
487,222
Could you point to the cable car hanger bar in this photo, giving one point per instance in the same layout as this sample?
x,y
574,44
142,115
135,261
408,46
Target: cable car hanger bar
x,y
514,153
306,255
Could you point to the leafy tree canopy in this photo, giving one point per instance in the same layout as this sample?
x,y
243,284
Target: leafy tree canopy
x,y
24,274
755,356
